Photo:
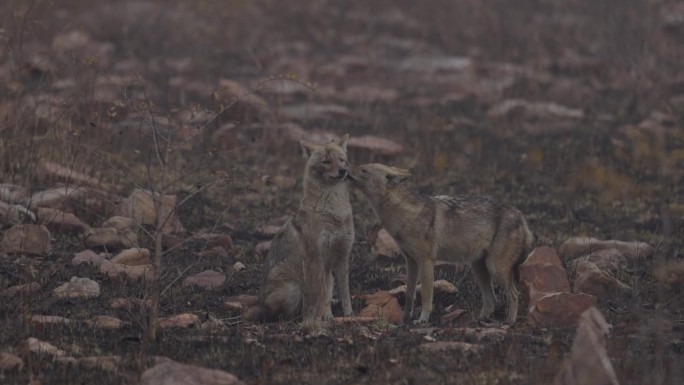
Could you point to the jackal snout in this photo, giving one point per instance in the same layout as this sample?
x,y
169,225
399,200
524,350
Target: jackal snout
x,y
330,162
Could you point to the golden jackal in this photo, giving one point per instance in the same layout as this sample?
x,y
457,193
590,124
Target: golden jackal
x,y
313,246
492,237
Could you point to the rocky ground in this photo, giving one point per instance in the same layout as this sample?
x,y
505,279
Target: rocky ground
x,y
571,111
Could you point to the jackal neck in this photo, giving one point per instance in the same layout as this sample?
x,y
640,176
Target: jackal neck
x,y
398,205
326,197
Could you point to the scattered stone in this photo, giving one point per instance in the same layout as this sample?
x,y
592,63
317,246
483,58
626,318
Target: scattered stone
x,y
78,288
443,346
41,347
185,320
240,302
174,373
239,266
588,362
13,194
214,252
592,280
542,272
369,94
382,304
671,273
375,145
14,213
458,317
140,206
609,260
533,110
108,363
482,334
26,239
208,279
87,256
58,220
57,197
386,246
9,362
262,247
211,240
110,237
440,286
354,320
49,172
130,303
579,246
118,271
25,289
559,309
43,320
105,322
120,223
133,257
309,112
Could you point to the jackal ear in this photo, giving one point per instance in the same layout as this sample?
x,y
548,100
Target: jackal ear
x,y
343,142
307,148
397,175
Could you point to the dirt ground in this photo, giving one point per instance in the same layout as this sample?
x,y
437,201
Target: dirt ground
x,y
571,111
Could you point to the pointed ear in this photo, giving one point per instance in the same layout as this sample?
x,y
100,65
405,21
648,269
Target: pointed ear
x,y
307,148
343,142
397,175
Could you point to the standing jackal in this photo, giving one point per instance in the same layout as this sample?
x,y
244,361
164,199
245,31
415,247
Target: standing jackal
x,y
313,246
492,237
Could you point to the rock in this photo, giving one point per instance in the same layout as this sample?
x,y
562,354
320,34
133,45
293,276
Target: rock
x,y
458,317
184,320
214,252
262,247
110,237
117,271
591,280
609,260
211,240
10,362
354,320
386,246
87,256
25,289
375,145
559,309
133,257
542,272
120,223
309,112
13,194
130,303
58,220
15,213
41,347
108,363
482,334
580,246
208,279
140,206
173,373
533,110
26,239
78,288
74,200
48,173
239,266
240,302
105,322
440,286
443,346
671,273
43,320
382,304
57,197
588,362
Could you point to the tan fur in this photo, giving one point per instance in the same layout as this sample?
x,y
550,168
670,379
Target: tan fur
x,y
492,237
313,246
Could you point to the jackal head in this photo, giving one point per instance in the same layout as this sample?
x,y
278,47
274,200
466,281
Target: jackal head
x,y
326,163
376,179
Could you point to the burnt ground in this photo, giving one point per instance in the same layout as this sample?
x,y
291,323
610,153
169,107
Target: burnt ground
x,y
454,82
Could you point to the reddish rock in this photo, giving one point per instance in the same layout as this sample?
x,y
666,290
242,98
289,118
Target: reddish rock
x,y
49,172
118,271
542,272
208,279
78,288
133,257
25,289
609,260
240,302
141,207
173,373
58,220
559,309
262,247
87,256
9,362
184,320
211,240
588,362
26,239
105,322
382,304
592,280
580,246
458,317
110,237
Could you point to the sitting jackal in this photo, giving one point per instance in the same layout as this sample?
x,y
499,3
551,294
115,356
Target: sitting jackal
x,y
313,246
492,237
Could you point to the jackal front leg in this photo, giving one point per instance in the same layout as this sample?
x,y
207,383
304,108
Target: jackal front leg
x,y
427,277
411,282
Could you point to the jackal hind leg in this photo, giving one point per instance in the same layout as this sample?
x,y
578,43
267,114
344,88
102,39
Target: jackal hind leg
x,y
504,276
484,282
341,273
411,283
427,279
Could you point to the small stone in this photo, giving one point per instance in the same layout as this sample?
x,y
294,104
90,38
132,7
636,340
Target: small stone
x,y
580,246
185,320
382,304
130,303
443,346
26,239
239,266
173,373
108,363
211,240
14,213
592,280
262,247
458,317
78,288
440,286
140,206
208,279
105,322
240,302
118,271
25,289
58,220
133,257
671,273
41,347
10,362
87,256
609,260
43,320
13,194
559,309
120,223
110,237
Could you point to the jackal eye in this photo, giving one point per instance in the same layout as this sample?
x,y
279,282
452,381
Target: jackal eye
x,y
364,171
327,161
